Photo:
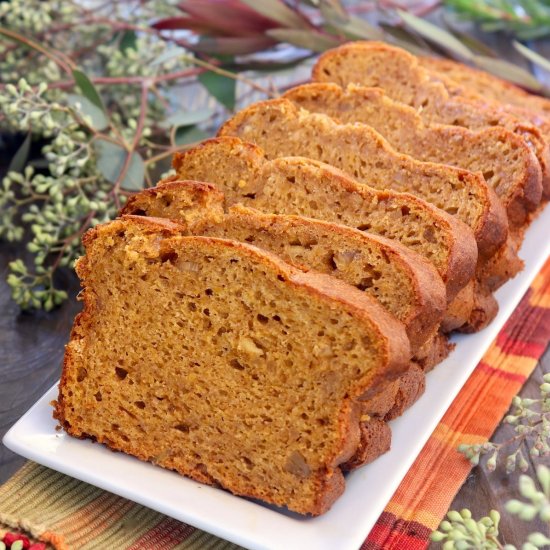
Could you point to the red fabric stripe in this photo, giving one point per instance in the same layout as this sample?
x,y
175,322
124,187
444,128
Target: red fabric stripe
x,y
500,373
391,532
167,534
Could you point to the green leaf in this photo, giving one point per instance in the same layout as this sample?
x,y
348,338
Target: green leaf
x,y
269,66
473,44
128,41
87,88
222,88
358,28
110,161
19,160
435,34
310,40
276,10
532,56
507,71
187,118
185,136
99,120
333,12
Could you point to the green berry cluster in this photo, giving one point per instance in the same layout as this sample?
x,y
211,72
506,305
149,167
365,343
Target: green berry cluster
x,y
531,421
84,134
461,532
50,208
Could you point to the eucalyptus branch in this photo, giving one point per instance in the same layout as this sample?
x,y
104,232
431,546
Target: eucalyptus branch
x,y
531,421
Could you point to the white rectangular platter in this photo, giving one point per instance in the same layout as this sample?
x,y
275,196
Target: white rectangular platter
x,y
253,525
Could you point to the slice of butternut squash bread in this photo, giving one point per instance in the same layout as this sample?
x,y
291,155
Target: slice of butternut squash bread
x,y
479,85
507,164
309,188
403,78
282,129
165,384
199,208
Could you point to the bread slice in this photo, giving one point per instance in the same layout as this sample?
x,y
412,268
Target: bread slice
x,y
404,79
507,164
282,129
165,383
476,84
310,188
188,202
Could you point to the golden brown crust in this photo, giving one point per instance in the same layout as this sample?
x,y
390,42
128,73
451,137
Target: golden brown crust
x,y
475,83
435,351
375,440
411,387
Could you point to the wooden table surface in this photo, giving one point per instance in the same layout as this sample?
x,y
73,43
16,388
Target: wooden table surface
x,y
31,349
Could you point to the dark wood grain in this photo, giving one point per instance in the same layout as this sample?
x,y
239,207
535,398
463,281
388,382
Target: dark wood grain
x,y
31,349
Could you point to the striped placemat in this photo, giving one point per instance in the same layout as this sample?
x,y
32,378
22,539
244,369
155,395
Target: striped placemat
x,y
68,514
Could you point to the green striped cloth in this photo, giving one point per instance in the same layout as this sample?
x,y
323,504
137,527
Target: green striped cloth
x,y
70,514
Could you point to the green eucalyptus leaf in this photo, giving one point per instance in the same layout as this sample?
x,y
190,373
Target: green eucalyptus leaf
x,y
333,12
435,34
99,119
310,40
185,136
473,44
19,160
276,10
532,56
405,39
508,71
128,41
110,162
87,88
187,118
222,88
356,27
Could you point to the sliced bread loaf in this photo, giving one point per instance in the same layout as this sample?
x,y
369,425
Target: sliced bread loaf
x,y
507,164
282,129
181,404
404,79
306,187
